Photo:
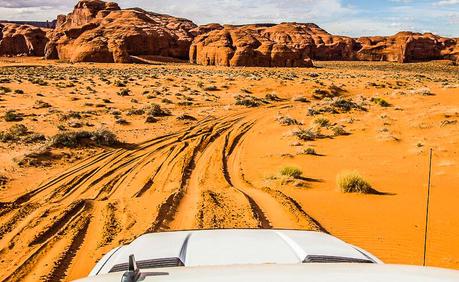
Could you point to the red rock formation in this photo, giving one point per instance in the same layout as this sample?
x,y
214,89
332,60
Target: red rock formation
x,y
22,40
402,47
98,31
292,44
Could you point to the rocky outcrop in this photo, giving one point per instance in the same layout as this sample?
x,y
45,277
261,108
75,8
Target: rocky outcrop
x,y
98,31
294,44
284,45
23,40
404,47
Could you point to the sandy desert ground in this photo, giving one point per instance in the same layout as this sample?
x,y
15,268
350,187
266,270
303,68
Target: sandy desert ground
x,y
204,147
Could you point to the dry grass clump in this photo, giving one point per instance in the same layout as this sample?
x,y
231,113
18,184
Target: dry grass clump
x,y
292,172
353,182
285,120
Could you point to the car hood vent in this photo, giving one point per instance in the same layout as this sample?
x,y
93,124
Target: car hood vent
x,y
334,259
150,263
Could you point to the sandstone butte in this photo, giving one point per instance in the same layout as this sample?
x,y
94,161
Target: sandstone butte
x,y
98,31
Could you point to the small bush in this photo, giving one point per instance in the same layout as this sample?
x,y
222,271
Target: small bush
x,y
301,99
124,92
310,151
272,97
305,134
12,116
155,110
291,172
288,121
339,131
248,101
353,182
322,122
210,88
380,101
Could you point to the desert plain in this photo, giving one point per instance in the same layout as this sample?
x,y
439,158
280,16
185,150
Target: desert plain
x,y
94,155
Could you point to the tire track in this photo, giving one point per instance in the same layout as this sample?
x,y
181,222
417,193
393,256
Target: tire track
x,y
190,178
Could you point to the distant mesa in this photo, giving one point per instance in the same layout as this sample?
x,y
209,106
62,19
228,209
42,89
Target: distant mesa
x,y
98,31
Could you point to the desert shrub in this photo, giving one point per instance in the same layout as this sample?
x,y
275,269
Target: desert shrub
x,y
291,172
12,116
120,120
155,110
74,139
119,83
322,122
186,117
3,181
339,131
380,101
19,91
166,101
135,112
71,115
151,119
33,138
353,182
124,92
245,90
310,151
272,97
283,120
4,90
185,103
305,134
335,106
210,88
39,104
248,101
301,99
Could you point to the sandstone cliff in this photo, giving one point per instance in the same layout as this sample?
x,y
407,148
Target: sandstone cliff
x,y
24,40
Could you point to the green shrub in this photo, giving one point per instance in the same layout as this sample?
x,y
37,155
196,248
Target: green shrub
x,y
291,172
353,182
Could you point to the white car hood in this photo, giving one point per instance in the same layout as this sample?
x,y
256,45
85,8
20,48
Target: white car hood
x,y
290,273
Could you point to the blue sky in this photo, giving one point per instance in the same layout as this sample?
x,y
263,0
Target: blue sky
x,y
346,17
